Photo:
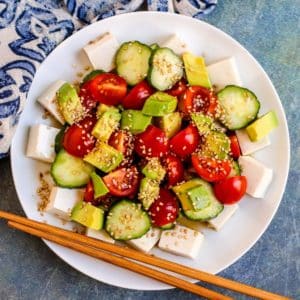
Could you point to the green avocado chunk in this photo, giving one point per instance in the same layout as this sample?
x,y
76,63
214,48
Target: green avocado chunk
x,y
170,123
204,123
107,124
149,192
104,157
88,215
100,188
195,70
69,103
262,126
154,170
135,121
199,197
159,104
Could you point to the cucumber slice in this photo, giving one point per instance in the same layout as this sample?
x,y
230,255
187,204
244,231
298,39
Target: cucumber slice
x,y
239,106
126,220
70,171
235,169
132,60
167,226
166,68
59,139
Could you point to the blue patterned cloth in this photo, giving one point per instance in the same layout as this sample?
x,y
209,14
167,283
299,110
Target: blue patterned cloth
x,y
31,29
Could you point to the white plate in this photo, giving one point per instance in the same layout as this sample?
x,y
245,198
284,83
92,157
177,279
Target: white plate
x,y
219,250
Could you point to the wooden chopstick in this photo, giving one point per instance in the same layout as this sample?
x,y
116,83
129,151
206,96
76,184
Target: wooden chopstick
x,y
146,258
122,262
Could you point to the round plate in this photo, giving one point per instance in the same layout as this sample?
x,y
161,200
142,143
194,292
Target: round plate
x,y
220,249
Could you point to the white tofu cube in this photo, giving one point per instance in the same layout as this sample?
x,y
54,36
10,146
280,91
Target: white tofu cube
x,y
48,100
223,73
62,201
147,241
181,241
247,146
174,43
99,235
41,142
101,52
258,176
218,222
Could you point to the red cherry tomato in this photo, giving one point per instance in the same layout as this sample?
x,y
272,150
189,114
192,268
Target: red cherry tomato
x,y
151,143
86,97
211,169
164,209
122,182
77,139
89,192
198,99
185,142
108,88
137,96
123,141
178,89
174,168
234,146
231,190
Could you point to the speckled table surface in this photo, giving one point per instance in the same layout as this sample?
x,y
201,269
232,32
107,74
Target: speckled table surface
x,y
270,31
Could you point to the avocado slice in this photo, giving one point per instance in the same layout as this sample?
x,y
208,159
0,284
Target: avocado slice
x,y
88,215
195,70
135,121
149,192
102,108
262,126
159,104
204,123
69,103
104,157
107,124
100,188
199,197
170,123
154,170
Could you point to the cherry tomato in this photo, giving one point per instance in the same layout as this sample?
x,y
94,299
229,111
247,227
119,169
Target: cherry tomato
x,y
164,209
151,143
231,190
89,192
198,99
108,88
234,146
86,97
123,141
211,169
137,96
77,139
178,89
122,182
185,142
174,168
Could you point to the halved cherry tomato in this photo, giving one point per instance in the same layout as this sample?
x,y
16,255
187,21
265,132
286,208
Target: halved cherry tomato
x,y
151,143
231,190
137,96
122,182
108,88
164,209
86,97
178,89
174,168
198,99
77,139
234,146
89,192
123,141
185,142
211,169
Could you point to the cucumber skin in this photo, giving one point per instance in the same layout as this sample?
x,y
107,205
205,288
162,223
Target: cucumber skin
x,y
118,203
59,139
91,75
192,215
248,121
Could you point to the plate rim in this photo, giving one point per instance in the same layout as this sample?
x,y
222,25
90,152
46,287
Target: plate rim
x,y
53,246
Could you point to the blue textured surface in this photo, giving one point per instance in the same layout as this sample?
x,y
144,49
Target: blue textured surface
x,y
270,31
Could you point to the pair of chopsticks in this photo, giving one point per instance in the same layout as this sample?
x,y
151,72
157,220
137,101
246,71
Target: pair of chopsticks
x,y
119,256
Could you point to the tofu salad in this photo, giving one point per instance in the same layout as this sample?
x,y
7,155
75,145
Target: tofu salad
x,y
153,145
